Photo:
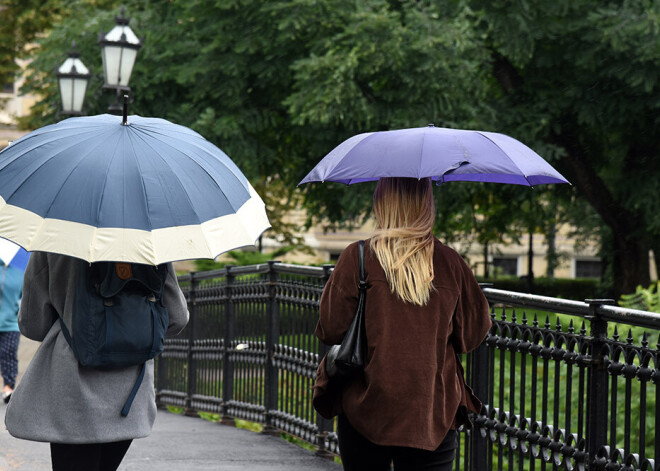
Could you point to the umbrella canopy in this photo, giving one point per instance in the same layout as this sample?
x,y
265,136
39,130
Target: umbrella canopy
x,y
13,255
143,190
442,154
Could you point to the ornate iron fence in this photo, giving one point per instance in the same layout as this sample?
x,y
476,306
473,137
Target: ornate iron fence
x,y
565,384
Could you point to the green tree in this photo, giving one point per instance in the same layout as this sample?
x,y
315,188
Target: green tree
x,y
22,21
241,74
277,84
226,89
581,77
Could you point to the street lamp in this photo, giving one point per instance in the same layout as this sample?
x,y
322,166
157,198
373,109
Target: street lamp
x,y
72,77
119,49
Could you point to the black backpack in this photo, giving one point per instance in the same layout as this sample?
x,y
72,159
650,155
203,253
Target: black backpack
x,y
118,317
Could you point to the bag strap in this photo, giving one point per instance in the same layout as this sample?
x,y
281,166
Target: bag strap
x,y
129,402
362,286
362,296
363,278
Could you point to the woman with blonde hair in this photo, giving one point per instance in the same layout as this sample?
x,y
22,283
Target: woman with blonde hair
x,y
423,307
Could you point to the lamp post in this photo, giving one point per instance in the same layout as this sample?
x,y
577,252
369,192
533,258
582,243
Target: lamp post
x,y
119,48
72,77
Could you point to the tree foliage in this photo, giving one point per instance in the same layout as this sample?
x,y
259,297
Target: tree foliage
x,y
278,84
579,78
22,21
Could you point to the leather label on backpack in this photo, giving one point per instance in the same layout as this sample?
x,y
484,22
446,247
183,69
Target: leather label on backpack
x,y
124,271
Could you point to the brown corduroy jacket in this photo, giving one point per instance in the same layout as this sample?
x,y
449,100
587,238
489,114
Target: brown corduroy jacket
x,y
411,392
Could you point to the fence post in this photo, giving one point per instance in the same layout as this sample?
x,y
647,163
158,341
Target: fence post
x,y
479,382
227,363
324,425
192,370
597,391
272,338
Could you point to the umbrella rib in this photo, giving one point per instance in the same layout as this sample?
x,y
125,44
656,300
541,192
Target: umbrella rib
x,y
137,162
234,170
148,144
143,139
71,173
24,182
421,155
42,221
229,165
507,156
353,149
41,143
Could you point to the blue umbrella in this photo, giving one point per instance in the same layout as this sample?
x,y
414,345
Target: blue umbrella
x,y
140,190
442,154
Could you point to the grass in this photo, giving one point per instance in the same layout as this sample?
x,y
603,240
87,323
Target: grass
x,y
503,396
295,396
246,425
257,428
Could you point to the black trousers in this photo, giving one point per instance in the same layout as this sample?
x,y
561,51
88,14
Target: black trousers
x,y
88,457
359,454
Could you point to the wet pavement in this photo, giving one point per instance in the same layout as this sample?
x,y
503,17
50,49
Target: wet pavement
x,y
177,442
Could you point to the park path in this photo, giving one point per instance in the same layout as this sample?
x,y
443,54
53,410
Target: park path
x,y
177,442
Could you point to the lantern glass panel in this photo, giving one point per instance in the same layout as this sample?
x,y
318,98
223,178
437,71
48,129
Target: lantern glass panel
x,y
111,57
79,90
66,93
128,57
72,92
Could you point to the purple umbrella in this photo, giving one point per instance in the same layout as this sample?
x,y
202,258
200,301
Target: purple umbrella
x,y
442,154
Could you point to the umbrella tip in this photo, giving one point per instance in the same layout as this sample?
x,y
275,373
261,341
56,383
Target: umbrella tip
x,y
125,119
431,125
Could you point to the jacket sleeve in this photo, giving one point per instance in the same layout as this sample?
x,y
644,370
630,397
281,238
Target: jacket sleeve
x,y
175,302
471,320
339,299
36,314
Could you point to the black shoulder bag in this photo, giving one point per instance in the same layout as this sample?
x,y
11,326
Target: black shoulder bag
x,y
348,359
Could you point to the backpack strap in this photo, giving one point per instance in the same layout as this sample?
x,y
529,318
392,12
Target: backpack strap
x,y
67,335
129,402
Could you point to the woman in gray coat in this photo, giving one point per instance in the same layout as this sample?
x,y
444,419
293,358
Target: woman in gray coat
x,y
77,409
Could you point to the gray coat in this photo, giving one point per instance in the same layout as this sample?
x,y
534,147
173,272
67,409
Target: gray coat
x,y
59,401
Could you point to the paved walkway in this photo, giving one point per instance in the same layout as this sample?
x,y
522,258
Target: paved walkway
x,y
177,442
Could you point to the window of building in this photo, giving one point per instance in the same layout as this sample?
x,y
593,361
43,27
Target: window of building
x,y
587,269
334,256
7,88
505,266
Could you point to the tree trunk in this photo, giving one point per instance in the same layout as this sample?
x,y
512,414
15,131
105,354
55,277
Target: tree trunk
x,y
630,264
486,266
630,248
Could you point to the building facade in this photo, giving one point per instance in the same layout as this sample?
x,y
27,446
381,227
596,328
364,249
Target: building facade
x,y
13,105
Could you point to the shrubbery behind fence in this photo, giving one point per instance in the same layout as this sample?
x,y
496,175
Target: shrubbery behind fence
x,y
565,384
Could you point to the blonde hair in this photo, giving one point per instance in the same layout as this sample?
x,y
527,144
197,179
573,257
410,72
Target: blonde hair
x,y
403,239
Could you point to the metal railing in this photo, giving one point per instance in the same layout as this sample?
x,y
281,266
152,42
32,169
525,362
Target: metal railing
x,y
565,384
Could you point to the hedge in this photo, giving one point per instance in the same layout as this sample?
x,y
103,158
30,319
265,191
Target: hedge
x,y
577,289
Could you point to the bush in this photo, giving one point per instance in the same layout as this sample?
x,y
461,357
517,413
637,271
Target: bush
x,y
241,258
646,299
577,289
